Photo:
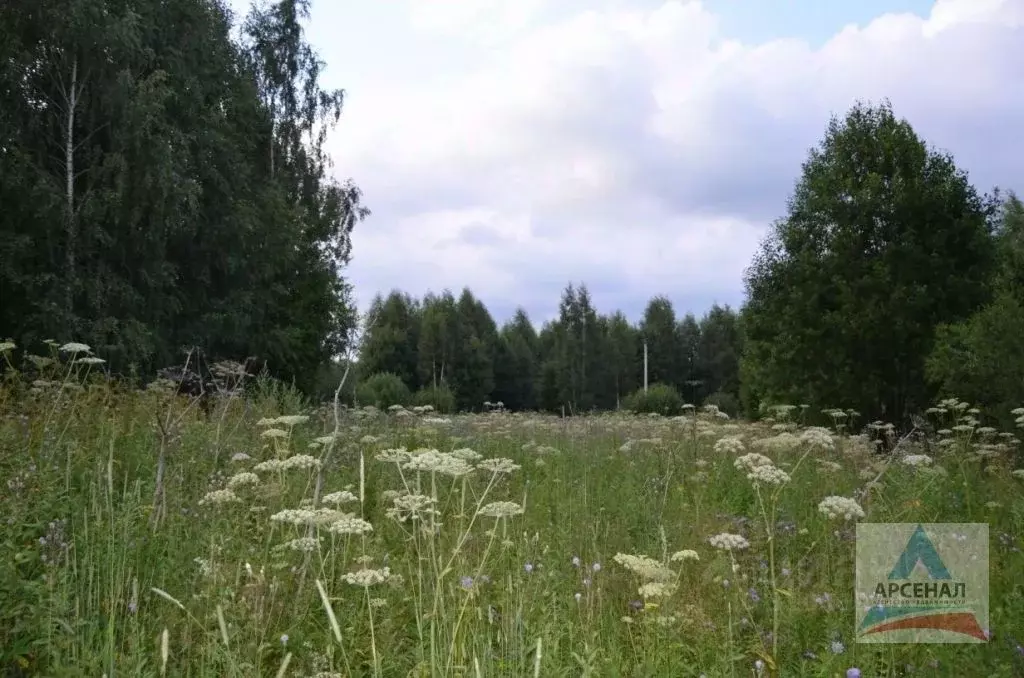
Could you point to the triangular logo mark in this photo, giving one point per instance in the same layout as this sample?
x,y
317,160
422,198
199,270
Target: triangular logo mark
x,y
920,549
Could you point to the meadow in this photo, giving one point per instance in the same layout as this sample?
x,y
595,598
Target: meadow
x,y
273,537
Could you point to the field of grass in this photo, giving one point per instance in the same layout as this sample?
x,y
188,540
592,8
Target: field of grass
x,y
141,538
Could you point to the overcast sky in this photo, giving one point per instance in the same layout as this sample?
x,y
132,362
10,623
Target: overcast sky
x,y
639,146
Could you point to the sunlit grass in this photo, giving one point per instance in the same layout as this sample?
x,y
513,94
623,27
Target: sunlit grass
x,y
308,542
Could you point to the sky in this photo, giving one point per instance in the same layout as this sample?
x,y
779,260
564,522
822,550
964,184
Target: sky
x,y
642,147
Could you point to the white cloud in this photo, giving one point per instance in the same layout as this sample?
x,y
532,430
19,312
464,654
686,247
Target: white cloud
x,y
641,150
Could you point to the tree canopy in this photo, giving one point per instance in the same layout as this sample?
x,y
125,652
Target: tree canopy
x,y
165,186
884,240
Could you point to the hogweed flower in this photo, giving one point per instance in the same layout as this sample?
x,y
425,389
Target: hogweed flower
x,y
350,525
915,460
218,497
685,554
656,589
729,542
768,475
243,479
367,578
840,507
501,509
817,437
729,445
498,465
751,461
645,567
342,497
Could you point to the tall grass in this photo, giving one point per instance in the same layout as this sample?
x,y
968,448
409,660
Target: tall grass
x,y
295,541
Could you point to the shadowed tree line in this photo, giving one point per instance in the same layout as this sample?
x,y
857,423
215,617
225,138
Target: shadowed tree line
x,y
164,185
581,361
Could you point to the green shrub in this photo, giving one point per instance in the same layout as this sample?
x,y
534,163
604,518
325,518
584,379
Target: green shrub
x,y
440,397
724,401
383,390
660,398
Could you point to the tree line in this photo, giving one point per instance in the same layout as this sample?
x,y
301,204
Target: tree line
x,y
164,185
581,361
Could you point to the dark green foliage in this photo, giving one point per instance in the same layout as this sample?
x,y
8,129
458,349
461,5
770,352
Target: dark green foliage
x,y
884,239
382,390
981,359
724,401
164,186
661,399
439,397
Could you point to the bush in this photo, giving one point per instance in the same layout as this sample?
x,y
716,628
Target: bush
x,y
724,401
383,390
440,397
660,398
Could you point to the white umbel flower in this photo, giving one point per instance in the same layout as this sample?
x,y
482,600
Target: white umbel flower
x,y
729,542
840,507
501,509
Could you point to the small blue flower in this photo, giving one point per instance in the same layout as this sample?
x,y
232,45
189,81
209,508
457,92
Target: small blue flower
x,y
467,582
853,672
528,567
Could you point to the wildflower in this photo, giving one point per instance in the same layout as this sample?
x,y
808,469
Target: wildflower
x,y
753,595
577,596
467,454
498,465
596,567
432,461
74,347
341,497
90,360
219,497
729,542
350,525
284,638
243,479
818,437
466,582
398,455
915,460
645,567
575,561
840,507
321,516
685,554
528,567
501,509
655,589
729,445
749,462
6,346
837,647
240,456
411,507
303,544
367,578
274,433
768,475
